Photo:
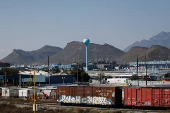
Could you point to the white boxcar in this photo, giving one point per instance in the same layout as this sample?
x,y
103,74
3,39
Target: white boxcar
x,y
27,92
6,92
118,80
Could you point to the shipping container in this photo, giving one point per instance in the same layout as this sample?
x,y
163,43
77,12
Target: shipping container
x,y
147,96
6,92
24,92
90,95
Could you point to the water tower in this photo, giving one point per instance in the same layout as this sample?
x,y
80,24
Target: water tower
x,y
86,41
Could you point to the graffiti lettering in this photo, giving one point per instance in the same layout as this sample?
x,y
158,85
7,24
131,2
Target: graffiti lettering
x,y
86,100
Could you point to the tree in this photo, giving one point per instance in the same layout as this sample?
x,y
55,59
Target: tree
x,y
100,77
9,71
82,75
167,75
85,77
55,69
134,77
44,69
30,83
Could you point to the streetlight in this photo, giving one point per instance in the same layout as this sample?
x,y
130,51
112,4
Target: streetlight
x,y
63,80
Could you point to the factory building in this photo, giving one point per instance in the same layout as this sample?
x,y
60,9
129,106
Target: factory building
x,y
151,66
99,65
41,78
4,64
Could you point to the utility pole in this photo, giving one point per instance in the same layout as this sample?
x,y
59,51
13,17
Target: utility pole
x,y
137,70
30,75
20,80
77,71
48,71
5,79
100,78
63,80
146,69
34,92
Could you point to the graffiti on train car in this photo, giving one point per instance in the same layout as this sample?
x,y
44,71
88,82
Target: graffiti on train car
x,y
86,100
104,93
146,103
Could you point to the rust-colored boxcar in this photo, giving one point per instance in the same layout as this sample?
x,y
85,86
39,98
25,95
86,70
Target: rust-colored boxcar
x,y
90,95
147,96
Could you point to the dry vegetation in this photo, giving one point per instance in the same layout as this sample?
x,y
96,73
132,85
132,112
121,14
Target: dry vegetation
x,y
8,108
18,105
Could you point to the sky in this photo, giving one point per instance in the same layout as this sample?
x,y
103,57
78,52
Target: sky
x,y
32,24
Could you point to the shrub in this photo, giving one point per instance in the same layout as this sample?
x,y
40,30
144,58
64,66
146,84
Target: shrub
x,y
70,110
30,83
93,111
105,111
80,111
117,111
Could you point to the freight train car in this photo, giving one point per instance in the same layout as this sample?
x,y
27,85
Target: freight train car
x,y
90,95
147,96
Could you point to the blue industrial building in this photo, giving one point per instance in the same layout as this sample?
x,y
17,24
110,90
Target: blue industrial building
x,y
151,66
22,79
4,64
100,65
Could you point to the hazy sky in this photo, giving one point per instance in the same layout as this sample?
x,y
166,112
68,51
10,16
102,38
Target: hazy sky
x,y
31,24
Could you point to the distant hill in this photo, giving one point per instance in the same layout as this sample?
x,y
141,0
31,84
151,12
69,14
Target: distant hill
x,y
76,50
155,52
26,57
162,39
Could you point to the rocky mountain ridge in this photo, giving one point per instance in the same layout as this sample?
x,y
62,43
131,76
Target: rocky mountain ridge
x,y
162,39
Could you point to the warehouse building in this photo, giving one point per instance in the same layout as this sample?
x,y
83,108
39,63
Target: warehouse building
x,y
4,64
41,78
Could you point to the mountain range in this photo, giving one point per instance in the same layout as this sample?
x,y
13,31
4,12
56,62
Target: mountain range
x,y
28,57
75,51
155,52
163,39
156,48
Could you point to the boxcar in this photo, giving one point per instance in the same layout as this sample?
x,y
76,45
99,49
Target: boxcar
x,y
90,95
147,96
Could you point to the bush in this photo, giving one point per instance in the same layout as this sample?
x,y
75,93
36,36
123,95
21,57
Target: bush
x,y
81,111
105,111
93,111
30,83
117,111
167,75
134,77
70,110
